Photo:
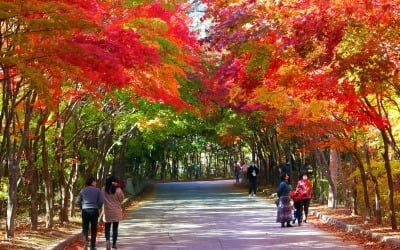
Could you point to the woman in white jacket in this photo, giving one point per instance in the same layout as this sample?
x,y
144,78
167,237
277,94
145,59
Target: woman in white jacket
x,y
113,197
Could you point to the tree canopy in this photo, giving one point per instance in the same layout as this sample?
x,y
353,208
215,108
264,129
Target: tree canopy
x,y
92,87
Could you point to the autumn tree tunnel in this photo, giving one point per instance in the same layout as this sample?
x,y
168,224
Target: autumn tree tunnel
x,y
170,90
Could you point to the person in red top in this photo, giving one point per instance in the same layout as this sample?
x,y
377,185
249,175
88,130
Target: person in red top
x,y
305,187
297,204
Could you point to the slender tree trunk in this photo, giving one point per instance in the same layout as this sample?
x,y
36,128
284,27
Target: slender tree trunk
x,y
334,162
48,182
321,186
378,210
33,188
32,176
32,173
388,169
163,166
343,175
12,167
361,168
354,195
12,197
327,170
60,163
15,152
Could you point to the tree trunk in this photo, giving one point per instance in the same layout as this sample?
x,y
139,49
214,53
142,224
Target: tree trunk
x,y
343,175
329,170
321,186
388,169
59,162
14,151
33,176
377,195
48,182
12,197
33,188
354,195
361,168
334,162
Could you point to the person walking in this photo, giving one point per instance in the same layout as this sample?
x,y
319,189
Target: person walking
x,y
284,214
113,197
298,205
305,187
237,171
252,173
90,200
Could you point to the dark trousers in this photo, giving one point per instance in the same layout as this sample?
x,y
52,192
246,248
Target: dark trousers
x,y
107,226
306,205
237,177
252,185
298,205
90,216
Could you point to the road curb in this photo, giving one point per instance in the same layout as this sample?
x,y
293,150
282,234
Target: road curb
x,y
394,241
64,243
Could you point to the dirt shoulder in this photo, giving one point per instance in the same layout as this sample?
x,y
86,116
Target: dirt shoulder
x,y
26,239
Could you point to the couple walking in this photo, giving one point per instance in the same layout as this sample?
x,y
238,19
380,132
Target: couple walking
x,y
301,197
91,200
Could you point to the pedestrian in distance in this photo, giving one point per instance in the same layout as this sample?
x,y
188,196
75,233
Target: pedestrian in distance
x,y
305,187
90,200
244,173
284,215
244,167
113,211
237,169
252,173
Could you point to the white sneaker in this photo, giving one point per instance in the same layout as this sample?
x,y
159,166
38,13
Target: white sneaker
x,y
249,195
254,195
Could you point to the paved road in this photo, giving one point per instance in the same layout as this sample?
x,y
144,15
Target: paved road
x,y
213,215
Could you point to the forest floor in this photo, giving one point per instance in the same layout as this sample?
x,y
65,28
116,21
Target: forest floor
x,y
26,239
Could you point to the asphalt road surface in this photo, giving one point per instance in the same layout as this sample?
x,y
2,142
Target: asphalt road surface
x,y
208,215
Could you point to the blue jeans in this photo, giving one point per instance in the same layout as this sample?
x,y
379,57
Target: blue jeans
x,y
298,205
107,227
90,216
237,177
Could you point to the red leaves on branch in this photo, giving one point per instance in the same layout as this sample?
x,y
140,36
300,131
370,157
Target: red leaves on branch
x,y
92,43
308,62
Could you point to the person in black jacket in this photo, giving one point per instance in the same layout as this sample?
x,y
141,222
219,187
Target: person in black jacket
x,y
252,173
